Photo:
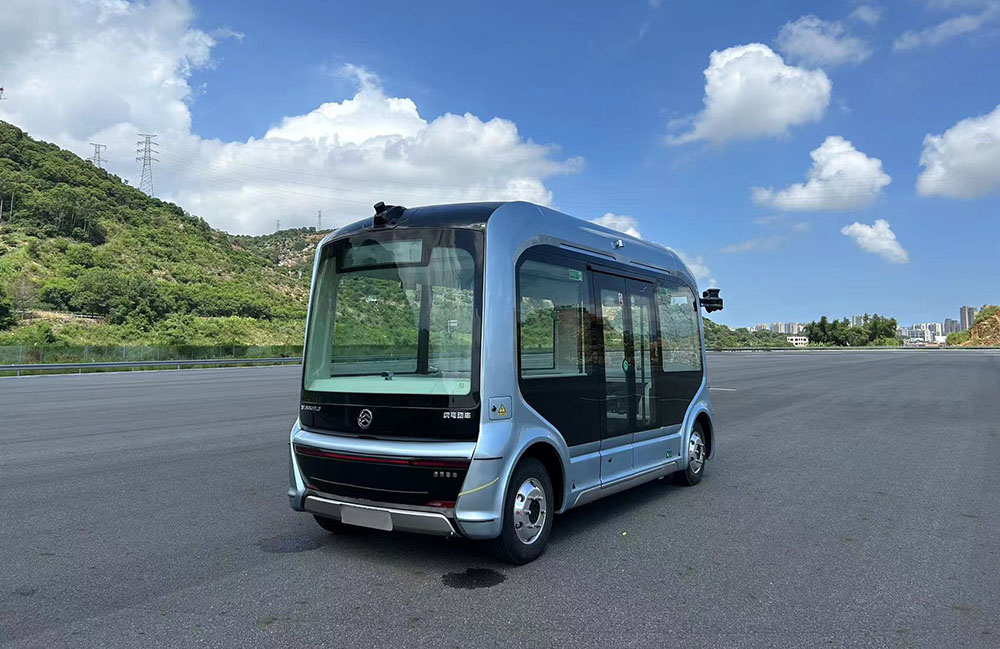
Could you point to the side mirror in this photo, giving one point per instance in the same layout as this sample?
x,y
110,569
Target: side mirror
x,y
710,300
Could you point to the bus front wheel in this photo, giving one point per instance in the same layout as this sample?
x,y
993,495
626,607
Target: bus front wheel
x,y
697,454
528,511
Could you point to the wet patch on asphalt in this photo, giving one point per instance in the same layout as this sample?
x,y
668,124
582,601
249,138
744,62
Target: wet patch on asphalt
x,y
473,578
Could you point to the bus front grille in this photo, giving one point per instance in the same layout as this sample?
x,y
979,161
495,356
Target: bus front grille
x,y
402,480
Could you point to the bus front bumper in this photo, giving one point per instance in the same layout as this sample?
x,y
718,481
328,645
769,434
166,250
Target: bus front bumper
x,y
382,518
475,515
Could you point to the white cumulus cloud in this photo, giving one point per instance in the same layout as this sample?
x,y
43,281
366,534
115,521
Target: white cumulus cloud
x,y
841,178
816,42
627,224
947,29
103,70
878,239
964,161
750,92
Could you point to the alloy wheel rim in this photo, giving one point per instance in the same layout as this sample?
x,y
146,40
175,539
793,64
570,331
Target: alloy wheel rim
x,y
696,452
530,511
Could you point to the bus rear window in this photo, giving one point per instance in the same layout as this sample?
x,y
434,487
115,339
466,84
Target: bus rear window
x,y
373,254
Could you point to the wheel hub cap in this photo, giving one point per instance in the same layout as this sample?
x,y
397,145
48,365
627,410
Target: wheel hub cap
x,y
696,452
529,511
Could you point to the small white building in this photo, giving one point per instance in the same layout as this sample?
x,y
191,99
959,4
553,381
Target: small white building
x,y
798,341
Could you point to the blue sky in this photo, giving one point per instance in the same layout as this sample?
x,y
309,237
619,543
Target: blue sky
x,y
615,94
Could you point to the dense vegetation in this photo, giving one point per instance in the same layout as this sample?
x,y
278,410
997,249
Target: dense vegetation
x,y
292,248
719,335
876,331
81,241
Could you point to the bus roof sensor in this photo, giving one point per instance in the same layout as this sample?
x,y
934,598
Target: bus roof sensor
x,y
386,214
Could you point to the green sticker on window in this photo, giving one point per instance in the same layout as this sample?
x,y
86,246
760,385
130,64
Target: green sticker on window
x,y
576,275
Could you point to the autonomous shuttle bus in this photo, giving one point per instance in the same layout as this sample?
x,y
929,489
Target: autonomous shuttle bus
x,y
475,369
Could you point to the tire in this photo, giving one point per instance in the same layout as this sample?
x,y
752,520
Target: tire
x,y
329,524
528,510
697,452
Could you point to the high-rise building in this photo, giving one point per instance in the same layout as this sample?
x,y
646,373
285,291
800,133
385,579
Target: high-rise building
x,y
966,316
857,321
776,327
950,326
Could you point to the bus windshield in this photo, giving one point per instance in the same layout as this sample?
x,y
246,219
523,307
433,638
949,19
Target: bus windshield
x,y
395,312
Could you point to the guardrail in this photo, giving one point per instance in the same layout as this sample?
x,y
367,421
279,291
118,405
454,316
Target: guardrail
x,y
217,362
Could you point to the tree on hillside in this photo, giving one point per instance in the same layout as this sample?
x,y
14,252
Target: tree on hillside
x,y
985,314
6,310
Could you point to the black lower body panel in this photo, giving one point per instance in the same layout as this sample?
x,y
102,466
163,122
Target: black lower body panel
x,y
405,481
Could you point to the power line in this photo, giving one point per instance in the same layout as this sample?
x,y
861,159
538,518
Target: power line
x,y
146,152
96,158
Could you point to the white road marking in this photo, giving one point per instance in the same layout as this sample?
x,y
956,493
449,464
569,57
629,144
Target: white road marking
x,y
724,389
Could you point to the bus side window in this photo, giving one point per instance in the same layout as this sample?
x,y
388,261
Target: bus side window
x,y
680,340
557,376
552,320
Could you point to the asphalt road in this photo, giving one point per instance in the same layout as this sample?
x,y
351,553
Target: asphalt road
x,y
854,501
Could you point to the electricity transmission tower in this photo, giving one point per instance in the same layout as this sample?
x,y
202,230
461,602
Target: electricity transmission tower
x,y
1,93
319,220
144,154
277,224
96,158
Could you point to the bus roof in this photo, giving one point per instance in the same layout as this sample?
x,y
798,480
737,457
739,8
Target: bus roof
x,y
588,235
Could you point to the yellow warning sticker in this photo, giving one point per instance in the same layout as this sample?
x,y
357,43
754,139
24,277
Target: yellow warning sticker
x,y
502,411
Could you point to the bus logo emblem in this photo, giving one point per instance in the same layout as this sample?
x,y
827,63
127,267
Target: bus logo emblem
x,y
365,419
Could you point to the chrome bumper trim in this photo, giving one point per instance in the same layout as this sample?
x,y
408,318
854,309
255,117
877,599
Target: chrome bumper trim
x,y
406,520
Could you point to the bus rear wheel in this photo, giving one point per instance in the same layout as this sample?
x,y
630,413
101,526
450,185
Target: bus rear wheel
x,y
528,509
697,454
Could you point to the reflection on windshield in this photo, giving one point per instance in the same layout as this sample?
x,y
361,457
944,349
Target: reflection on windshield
x,y
397,324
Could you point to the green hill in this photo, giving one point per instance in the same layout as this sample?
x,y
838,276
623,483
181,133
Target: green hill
x,y
291,248
81,241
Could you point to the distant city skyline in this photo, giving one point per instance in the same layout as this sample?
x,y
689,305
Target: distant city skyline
x,y
967,315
